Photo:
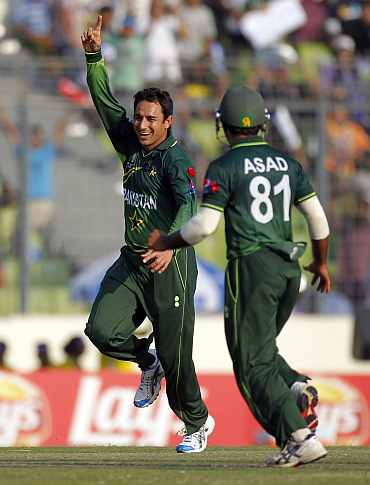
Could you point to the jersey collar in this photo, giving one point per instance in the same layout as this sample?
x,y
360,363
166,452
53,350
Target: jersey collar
x,y
252,141
165,145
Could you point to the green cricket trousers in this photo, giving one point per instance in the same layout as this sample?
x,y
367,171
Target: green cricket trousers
x,y
128,293
261,291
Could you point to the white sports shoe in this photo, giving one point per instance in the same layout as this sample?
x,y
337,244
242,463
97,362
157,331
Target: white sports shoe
x,y
209,426
297,453
196,442
150,383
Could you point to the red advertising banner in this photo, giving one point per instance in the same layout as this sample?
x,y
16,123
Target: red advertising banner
x,y
72,408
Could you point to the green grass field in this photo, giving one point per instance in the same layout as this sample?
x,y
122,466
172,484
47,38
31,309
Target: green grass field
x,y
152,466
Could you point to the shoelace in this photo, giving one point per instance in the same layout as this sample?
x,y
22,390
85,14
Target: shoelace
x,y
146,381
188,439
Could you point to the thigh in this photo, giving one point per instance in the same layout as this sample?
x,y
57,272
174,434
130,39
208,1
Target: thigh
x,y
287,302
117,310
172,305
256,283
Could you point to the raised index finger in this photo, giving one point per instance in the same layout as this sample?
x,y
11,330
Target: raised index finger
x,y
99,23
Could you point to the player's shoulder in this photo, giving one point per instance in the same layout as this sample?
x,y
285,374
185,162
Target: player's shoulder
x,y
176,154
290,162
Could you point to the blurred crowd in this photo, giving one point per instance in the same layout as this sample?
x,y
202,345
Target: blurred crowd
x,y
73,353
309,58
195,48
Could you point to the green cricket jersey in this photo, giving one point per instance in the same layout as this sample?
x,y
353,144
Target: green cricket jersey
x,y
158,187
256,186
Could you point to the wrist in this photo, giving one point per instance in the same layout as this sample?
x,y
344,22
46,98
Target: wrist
x,y
92,57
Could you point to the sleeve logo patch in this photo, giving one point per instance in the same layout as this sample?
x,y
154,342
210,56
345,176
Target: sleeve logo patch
x,y
210,187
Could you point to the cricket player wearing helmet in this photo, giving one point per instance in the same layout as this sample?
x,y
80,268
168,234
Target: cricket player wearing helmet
x,y
255,186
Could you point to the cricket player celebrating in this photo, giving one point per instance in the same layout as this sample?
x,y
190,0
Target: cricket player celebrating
x,y
158,191
255,186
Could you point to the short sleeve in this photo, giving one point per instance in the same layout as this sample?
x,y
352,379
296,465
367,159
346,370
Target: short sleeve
x,y
216,192
304,189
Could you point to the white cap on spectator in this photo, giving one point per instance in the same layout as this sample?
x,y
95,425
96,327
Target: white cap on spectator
x,y
344,42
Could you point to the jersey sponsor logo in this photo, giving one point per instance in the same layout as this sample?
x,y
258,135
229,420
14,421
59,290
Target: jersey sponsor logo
x,y
260,165
137,199
210,186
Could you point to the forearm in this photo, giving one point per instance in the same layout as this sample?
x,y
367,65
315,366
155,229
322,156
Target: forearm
x,y
110,111
320,250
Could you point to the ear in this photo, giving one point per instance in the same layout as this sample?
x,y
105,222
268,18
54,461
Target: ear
x,y
168,122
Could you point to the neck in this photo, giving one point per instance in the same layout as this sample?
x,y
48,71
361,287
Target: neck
x,y
149,148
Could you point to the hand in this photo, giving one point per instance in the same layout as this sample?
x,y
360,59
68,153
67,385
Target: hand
x,y
320,273
157,261
157,240
91,38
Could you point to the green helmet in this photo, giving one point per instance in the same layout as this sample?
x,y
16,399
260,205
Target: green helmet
x,y
242,107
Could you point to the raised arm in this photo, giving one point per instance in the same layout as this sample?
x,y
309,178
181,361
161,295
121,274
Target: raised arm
x,y
112,114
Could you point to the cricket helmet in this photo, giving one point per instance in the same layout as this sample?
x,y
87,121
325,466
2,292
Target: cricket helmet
x,y
242,107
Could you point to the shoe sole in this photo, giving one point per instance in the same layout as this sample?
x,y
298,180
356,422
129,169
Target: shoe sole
x,y
192,451
306,403
155,395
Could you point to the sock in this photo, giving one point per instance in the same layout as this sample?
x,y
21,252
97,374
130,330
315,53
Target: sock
x,y
146,361
301,434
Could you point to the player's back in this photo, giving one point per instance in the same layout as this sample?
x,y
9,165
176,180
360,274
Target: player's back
x,y
256,186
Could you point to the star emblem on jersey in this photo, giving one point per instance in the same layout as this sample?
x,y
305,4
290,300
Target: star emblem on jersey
x,y
136,222
153,172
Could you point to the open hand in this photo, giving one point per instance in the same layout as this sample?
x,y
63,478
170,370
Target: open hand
x,y
91,38
321,274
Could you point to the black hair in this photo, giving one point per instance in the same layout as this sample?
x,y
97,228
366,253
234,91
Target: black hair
x,y
155,95
237,131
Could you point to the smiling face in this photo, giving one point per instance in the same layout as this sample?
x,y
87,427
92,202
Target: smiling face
x,y
150,125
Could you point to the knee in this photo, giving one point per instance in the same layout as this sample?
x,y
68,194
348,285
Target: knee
x,y
97,334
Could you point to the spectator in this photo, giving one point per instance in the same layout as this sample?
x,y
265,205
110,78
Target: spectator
x,y
359,30
347,142
199,44
162,62
73,350
32,21
8,209
354,252
3,349
342,78
41,154
128,66
42,353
